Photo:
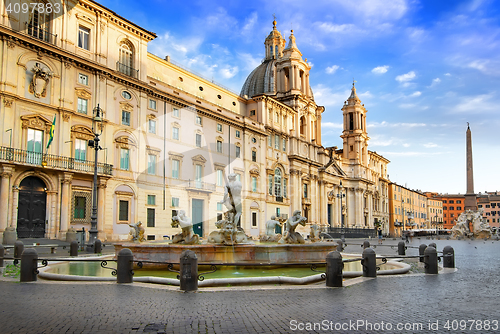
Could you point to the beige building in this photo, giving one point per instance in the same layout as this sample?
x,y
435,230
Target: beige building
x,y
408,210
169,137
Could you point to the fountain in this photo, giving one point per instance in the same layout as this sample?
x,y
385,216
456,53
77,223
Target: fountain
x,y
471,224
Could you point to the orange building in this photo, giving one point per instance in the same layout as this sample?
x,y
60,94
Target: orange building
x,y
490,203
453,206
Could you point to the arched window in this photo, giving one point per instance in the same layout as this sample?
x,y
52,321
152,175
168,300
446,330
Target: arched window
x,y
277,183
126,63
38,25
303,126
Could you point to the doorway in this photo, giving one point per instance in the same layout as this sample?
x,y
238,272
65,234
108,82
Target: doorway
x,y
197,216
31,208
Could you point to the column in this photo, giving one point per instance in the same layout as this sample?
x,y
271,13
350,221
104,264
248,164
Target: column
x,y
292,78
65,203
15,201
313,195
308,91
101,207
278,81
51,204
4,195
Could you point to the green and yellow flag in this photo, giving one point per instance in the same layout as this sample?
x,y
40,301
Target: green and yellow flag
x,y
51,134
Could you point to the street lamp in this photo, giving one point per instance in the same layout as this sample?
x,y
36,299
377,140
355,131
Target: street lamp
x,y
436,222
342,208
10,142
97,131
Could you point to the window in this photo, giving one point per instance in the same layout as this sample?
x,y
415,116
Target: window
x,y
459,208
277,182
284,144
238,134
175,133
445,208
219,207
83,79
198,120
174,213
238,151
451,202
219,177
175,202
269,141
151,217
285,185
176,112
125,117
124,159
34,146
123,211
238,177
83,38
82,105
152,104
219,146
126,95
152,126
198,140
198,176
175,168
277,142
80,204
252,112
305,190
151,164
151,199
452,208
38,26
254,156
254,140
80,150
125,65
254,184
444,201
219,127
254,219
270,184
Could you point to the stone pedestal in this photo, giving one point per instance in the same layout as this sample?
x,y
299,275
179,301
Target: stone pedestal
x,y
9,236
71,235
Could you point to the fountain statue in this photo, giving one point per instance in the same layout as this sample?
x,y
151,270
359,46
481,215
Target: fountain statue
x,y
271,235
479,229
314,233
137,232
289,235
229,233
187,236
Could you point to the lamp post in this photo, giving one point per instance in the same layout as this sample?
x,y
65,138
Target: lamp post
x,y
436,222
97,131
403,219
342,208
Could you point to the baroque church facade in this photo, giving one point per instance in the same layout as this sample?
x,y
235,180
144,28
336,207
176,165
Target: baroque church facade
x,y
169,138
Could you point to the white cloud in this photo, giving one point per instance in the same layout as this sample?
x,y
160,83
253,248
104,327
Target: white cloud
x,y
380,69
416,94
332,69
431,145
331,125
249,60
435,82
403,78
448,74
407,105
478,104
250,22
324,96
395,125
336,28
229,72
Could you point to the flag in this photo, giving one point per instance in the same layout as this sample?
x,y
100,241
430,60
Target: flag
x,y
51,134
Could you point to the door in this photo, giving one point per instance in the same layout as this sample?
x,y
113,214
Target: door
x,y
35,146
197,216
31,208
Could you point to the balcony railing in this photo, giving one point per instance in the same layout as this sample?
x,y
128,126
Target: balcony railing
x,y
199,185
52,161
125,69
41,33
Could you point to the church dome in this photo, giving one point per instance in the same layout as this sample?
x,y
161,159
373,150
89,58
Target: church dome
x,y
262,80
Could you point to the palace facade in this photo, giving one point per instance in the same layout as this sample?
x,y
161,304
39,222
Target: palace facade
x,y
168,138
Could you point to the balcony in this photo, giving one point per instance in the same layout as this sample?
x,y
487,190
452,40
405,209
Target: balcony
x,y
40,33
23,157
127,70
194,185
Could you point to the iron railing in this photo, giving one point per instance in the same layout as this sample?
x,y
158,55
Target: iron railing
x,y
52,161
200,185
335,232
41,33
125,69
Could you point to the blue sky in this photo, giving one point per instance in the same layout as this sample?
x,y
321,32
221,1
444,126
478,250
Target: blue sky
x,y
423,69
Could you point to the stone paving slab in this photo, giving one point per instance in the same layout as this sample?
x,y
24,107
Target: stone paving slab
x,y
418,303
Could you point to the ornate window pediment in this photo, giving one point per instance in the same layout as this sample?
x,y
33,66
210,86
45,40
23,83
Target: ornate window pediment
x,y
81,132
36,121
83,93
124,142
126,106
199,159
153,150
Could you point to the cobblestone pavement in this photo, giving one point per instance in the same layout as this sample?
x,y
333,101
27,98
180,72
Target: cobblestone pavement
x,y
404,304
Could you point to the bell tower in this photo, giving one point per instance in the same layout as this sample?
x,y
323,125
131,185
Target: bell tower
x,y
355,137
274,43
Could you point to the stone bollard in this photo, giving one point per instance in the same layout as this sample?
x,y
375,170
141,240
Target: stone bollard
x,y
401,248
18,249
189,271
334,267
124,267
421,250
29,263
2,253
431,260
97,246
448,257
73,248
366,244
433,244
340,246
369,263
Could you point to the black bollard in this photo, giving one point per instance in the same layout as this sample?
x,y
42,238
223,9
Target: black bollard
x,y
421,250
366,244
29,263
97,246
369,263
18,249
448,257
73,248
2,253
431,260
401,248
433,244
340,246
124,273
334,267
189,271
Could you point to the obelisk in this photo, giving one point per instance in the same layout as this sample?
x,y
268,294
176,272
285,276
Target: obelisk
x,y
470,196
